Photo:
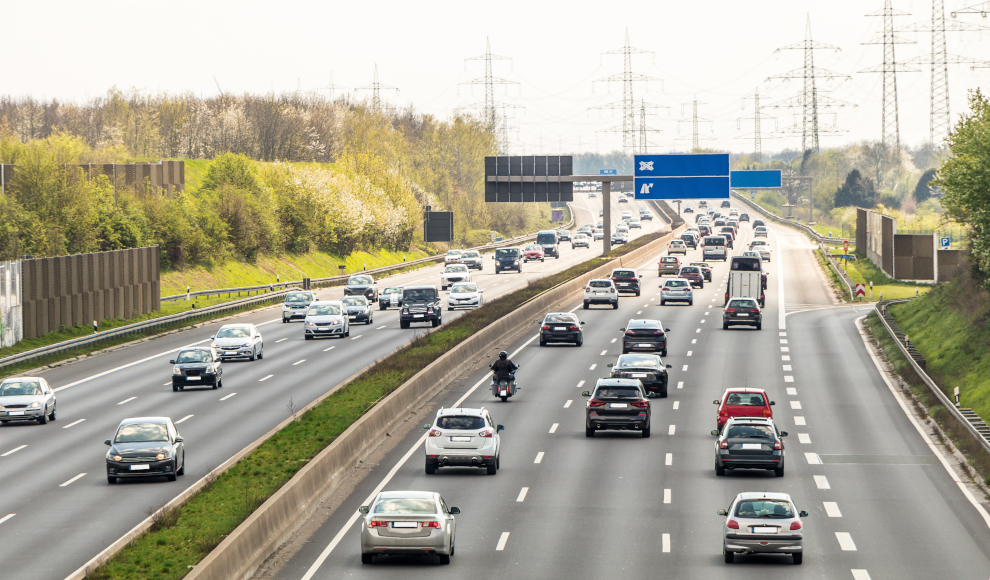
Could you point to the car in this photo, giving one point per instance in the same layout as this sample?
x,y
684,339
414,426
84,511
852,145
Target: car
x,y
760,232
580,240
635,223
144,447
601,292
622,199
600,225
550,242
704,230
586,230
627,214
754,243
688,209
391,296
690,240
744,217
452,257
296,304
428,523
454,273
669,265
733,211
561,327
677,247
508,259
26,399
358,308
644,335
420,304
648,368
326,319
764,252
757,223
646,216
749,443
617,404
763,523
601,213
592,195
239,341
463,437
196,366
465,295
702,203
622,227
362,285
472,259
598,235
743,402
692,274
676,290
533,253
725,203
719,223
626,280
564,235
706,270
714,247
619,238
734,224
729,234
742,311
750,254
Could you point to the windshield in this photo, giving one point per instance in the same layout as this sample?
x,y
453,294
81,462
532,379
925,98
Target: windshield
x,y
324,310
360,280
406,506
456,268
745,400
18,388
464,289
753,431
676,284
639,361
422,294
354,301
507,252
534,248
461,422
470,255
764,508
454,252
141,432
392,291
234,332
194,356
299,297
617,392
548,239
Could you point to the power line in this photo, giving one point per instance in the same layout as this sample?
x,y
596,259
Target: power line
x,y
695,121
757,119
489,81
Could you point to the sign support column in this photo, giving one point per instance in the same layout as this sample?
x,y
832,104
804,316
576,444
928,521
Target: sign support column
x,y
606,216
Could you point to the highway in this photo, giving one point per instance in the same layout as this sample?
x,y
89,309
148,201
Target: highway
x,y
882,504
55,491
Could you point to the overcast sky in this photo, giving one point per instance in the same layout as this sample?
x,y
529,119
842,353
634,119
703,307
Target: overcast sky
x,y
719,51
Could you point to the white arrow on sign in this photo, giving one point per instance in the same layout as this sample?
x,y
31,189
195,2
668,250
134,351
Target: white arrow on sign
x,y
860,290
646,188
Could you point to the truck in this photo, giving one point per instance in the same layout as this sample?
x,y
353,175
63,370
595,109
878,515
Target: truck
x,y
745,280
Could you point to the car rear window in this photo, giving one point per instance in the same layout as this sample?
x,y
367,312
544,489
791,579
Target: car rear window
x,y
560,318
742,304
638,361
753,431
761,508
406,506
617,393
600,284
690,270
461,422
623,274
715,241
669,260
746,400
676,284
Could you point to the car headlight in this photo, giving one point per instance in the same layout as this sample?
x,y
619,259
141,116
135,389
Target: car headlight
x,y
310,324
162,456
176,370
405,311
211,370
35,405
335,323
117,457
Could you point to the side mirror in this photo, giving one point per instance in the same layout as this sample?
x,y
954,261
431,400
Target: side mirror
x,y
666,330
649,395
426,426
107,442
715,432
499,428
171,362
582,322
622,330
585,393
669,367
722,513
213,336
772,403
364,509
783,434
803,514
609,365
454,511
179,439
715,402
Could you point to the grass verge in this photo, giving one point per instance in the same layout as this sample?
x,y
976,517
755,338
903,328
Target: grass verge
x,y
193,530
863,271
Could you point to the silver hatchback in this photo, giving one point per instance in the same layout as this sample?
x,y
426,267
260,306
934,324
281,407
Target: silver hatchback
x,y
763,523
408,523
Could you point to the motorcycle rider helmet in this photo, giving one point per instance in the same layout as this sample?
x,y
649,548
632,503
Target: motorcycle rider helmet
x,y
503,355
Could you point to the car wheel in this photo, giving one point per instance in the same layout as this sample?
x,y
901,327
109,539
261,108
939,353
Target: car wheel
x,y
366,558
543,342
254,355
729,556
403,324
111,480
307,337
798,557
175,388
579,342
585,306
52,416
589,431
719,470
284,321
348,331
779,472
625,351
646,432
43,418
615,305
637,293
261,352
663,392
492,469
380,307
725,326
498,461
430,469
450,308
445,558
216,385
664,352
182,470
690,302
171,476
701,286
663,303
436,323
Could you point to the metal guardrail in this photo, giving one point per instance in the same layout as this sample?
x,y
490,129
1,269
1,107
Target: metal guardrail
x,y
842,275
793,223
974,425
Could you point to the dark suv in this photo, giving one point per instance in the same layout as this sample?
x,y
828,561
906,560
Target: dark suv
x,y
617,404
508,259
561,327
420,304
626,280
749,443
644,334
742,311
725,203
648,368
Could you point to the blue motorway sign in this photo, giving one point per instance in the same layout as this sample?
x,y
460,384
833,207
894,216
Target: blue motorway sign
x,y
608,172
678,176
759,179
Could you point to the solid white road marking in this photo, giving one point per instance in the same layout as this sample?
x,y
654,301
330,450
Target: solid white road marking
x,y
380,327
813,458
501,542
860,574
788,378
522,494
845,541
694,341
265,379
822,482
184,418
799,420
792,391
666,543
666,496
74,423
804,438
787,367
6,517
581,383
568,403
331,348
126,400
832,509
593,367
795,405
676,404
672,429
299,362
680,384
684,368
73,479
539,457
669,460
553,428
280,340
14,450
228,396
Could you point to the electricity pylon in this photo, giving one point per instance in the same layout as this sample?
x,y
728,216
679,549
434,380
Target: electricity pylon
x,y
489,107
757,118
375,88
695,121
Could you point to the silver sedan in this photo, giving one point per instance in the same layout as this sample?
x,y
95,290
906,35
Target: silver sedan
x,y
408,523
26,399
239,340
763,523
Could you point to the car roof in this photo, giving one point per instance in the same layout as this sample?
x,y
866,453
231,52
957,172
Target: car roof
x,y
744,390
133,420
618,383
763,495
185,348
407,494
461,411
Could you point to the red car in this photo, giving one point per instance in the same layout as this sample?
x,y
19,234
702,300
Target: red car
x,y
705,230
743,402
706,271
533,252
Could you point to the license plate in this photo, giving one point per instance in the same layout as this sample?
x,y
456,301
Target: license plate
x,y
503,393
418,315
323,328
140,467
460,439
752,446
763,530
621,284
193,378
15,413
405,524
742,315
617,405
644,345
560,328
639,375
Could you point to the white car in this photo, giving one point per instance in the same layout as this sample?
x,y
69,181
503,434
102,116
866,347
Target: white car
x,y
635,223
623,199
601,292
239,340
677,247
465,295
598,235
592,195
27,399
580,240
754,243
733,211
760,232
622,227
676,290
453,257
626,215
751,254
463,438
764,252
753,516
454,273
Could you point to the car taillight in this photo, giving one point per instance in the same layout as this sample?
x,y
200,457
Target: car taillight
x,y
595,403
486,433
377,524
767,412
795,525
755,310
545,327
572,327
723,445
611,290
435,525
777,446
732,524
435,433
630,332
587,288
730,309
657,332
642,404
614,278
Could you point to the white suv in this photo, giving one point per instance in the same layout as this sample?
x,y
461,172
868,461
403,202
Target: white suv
x,y
463,438
676,290
601,292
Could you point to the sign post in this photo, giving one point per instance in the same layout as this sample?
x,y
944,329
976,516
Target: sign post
x,y
845,253
860,290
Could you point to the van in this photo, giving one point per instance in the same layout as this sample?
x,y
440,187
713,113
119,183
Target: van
x,y
508,259
713,247
549,240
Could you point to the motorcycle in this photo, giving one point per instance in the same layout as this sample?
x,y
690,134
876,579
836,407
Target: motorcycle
x,y
504,388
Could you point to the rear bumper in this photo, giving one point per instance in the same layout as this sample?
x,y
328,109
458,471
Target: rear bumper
x,y
645,345
183,381
763,544
560,336
634,422
612,300
435,543
742,321
676,297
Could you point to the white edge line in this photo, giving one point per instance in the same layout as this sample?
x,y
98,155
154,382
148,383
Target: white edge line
x,y
6,517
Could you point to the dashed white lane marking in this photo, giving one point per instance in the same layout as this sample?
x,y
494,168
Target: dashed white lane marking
x,y
553,428
669,460
666,543
672,429
788,378
702,321
184,418
785,349
783,341
785,357
845,541
795,405
227,397
666,496
690,352
832,509
126,400
804,438
639,312
501,541
860,574
539,457
781,334
822,482
787,367
652,299
792,391
13,451
568,403
813,458
697,330
298,362
74,423
684,368
604,352
799,420
356,337
614,339
522,494
677,404
707,313
680,384
166,384
694,341
581,383
281,339
331,348
6,517
593,367
73,479
261,380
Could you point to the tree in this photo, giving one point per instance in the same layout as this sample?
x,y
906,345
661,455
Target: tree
x,y
922,192
857,190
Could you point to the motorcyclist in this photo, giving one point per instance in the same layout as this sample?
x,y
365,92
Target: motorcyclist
x,y
503,368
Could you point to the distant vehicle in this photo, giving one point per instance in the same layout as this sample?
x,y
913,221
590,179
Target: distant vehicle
x,y
677,247
598,235
358,309
622,227
676,290
425,512
465,295
714,247
742,311
745,520
296,304
626,280
454,273
145,447
706,270
390,297
601,292
592,195
326,319
533,253
688,209
508,259
742,402
561,327
239,341
626,215
725,203
472,259
669,265
749,443
758,222
702,203
733,211
26,399
760,232
617,404
690,240
623,199
196,366
453,257
646,215
580,240
644,335
420,304
361,285
745,279
550,242
619,237
564,235
744,217
648,368
754,243
692,274
635,223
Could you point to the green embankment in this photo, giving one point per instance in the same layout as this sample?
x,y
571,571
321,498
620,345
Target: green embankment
x,y
862,271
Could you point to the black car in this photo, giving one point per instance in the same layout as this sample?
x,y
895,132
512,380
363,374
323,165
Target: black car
x,y
358,309
643,334
725,203
744,217
690,241
420,304
564,235
742,311
688,209
391,296
361,285
749,443
617,404
197,366
648,368
145,447
757,223
561,327
626,280
508,259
